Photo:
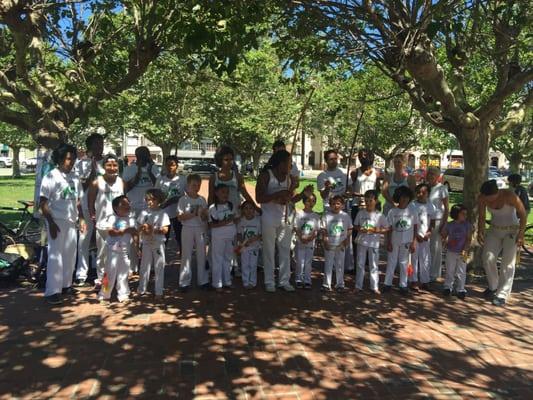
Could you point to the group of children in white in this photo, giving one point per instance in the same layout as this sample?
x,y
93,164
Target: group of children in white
x,y
132,216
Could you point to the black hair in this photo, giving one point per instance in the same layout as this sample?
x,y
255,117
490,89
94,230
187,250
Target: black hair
x,y
217,188
402,191
515,179
374,194
143,151
171,158
277,143
420,186
328,152
276,159
369,155
194,177
91,139
336,197
221,152
59,154
116,201
305,197
108,157
157,194
489,188
246,203
456,209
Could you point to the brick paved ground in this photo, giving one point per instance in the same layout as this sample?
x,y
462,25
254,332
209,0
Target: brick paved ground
x,y
254,345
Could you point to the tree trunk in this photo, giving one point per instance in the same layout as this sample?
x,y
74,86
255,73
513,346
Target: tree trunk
x,y
256,157
515,159
166,148
16,161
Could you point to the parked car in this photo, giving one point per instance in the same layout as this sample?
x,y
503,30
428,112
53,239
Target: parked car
x,y
453,179
29,165
5,162
200,167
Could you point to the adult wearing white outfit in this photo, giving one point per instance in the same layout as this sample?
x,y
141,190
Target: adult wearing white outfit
x,y
273,192
139,177
399,177
87,169
59,202
505,235
279,145
439,197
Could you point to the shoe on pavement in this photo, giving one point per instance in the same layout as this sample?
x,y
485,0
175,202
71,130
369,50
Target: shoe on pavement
x,y
270,288
288,287
69,291
461,295
498,301
54,299
404,291
489,294
386,288
299,285
81,283
308,286
325,288
446,292
340,289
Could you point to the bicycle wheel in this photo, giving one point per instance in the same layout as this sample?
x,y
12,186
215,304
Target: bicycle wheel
x,y
528,240
31,232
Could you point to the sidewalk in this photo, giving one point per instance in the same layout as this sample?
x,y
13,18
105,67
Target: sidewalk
x,y
255,345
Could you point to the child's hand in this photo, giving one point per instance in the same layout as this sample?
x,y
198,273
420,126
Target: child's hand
x,y
412,246
389,247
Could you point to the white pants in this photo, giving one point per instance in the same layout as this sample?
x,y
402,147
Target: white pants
x,y
334,258
421,263
304,263
364,252
455,267
61,257
496,242
117,269
398,255
152,254
101,255
276,233
249,266
435,245
348,256
84,242
193,237
221,256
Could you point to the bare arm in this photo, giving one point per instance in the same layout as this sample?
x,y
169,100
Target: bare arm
x,y
385,190
211,190
446,204
47,214
91,199
521,214
482,211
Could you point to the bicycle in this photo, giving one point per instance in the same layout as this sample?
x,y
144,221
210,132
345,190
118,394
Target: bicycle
x,y
27,229
528,240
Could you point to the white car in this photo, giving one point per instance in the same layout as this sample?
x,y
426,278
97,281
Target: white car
x,y
5,162
453,179
29,165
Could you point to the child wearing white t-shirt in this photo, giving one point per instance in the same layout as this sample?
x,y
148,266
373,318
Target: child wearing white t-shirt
x,y
249,243
336,233
370,224
153,224
306,227
401,240
192,213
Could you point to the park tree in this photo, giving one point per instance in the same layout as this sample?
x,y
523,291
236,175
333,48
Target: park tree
x,y
433,51
60,59
164,105
17,139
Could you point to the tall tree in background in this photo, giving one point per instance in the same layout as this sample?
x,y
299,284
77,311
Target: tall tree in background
x,y
433,51
59,60
16,139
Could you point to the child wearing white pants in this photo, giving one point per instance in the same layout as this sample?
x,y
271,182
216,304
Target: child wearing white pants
x,y
249,243
421,258
457,235
306,227
120,230
154,224
336,231
222,218
401,240
369,224
59,197
192,213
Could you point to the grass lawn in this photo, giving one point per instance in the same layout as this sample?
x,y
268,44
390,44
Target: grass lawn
x,y
12,190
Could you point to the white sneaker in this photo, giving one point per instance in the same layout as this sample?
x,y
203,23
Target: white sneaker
x,y
270,288
288,287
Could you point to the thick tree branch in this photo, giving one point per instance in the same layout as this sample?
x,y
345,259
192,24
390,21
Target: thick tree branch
x,y
514,117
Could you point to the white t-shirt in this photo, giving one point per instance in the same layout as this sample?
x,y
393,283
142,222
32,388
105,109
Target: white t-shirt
x,y
219,213
157,219
336,226
363,183
437,194
402,221
82,169
114,221
172,187
307,223
368,220
248,228
337,178
63,192
425,212
137,193
187,204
